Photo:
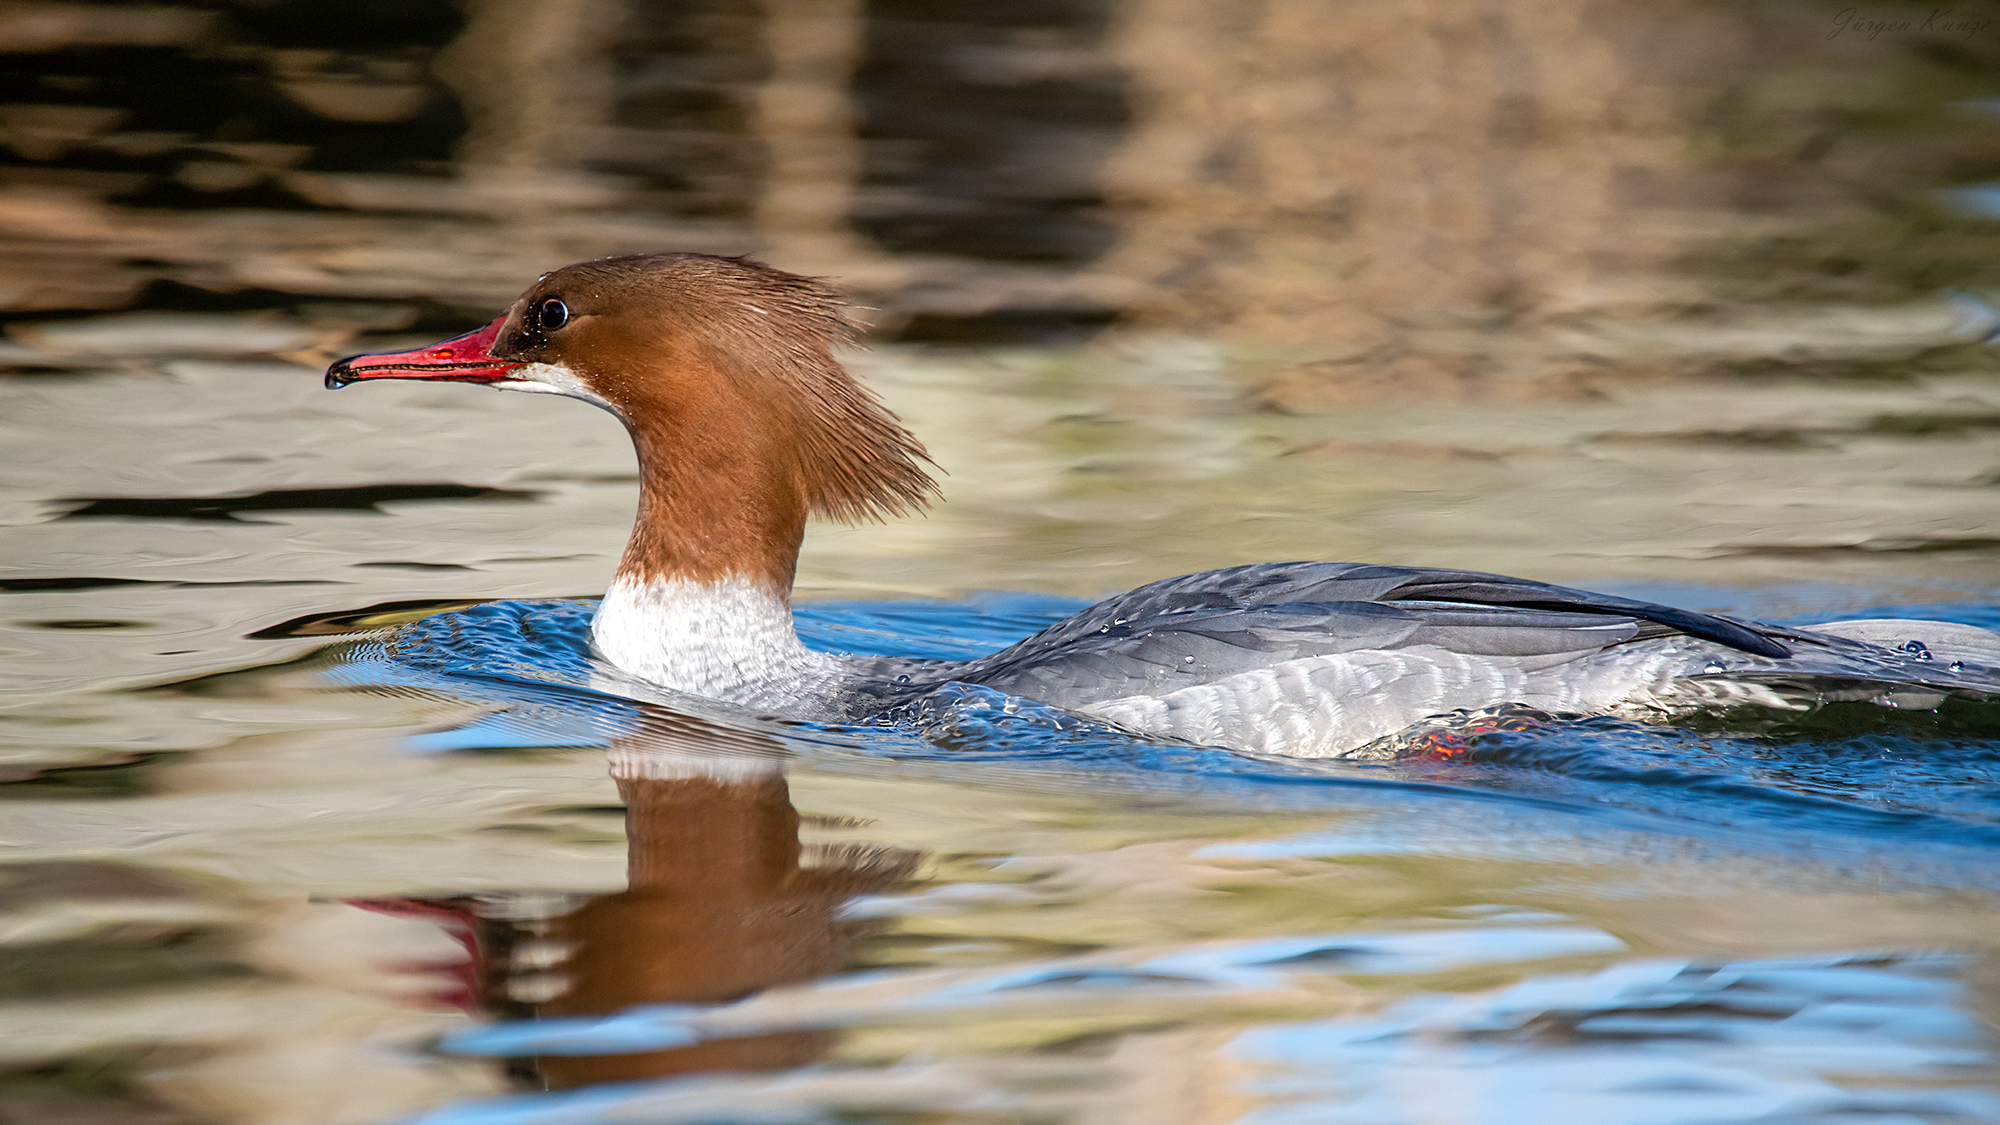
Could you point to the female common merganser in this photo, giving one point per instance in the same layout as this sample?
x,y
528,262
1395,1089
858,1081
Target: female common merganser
x,y
721,370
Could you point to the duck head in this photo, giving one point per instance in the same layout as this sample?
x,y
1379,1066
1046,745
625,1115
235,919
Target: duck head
x,y
722,371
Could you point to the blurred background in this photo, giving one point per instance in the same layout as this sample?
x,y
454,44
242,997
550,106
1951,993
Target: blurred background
x,y
1352,182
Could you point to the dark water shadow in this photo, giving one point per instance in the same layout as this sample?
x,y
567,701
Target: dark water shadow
x,y
358,498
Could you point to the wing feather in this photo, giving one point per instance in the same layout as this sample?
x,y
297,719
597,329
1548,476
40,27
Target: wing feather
x,y
1200,627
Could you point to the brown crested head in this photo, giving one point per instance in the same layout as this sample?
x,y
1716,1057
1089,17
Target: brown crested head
x,y
724,361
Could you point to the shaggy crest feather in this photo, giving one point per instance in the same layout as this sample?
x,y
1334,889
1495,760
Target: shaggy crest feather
x,y
771,331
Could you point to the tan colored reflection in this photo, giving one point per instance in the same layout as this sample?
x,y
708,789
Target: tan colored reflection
x,y
719,905
1360,178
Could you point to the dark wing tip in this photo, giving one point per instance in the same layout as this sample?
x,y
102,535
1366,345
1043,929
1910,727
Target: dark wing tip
x,y
1490,589
1761,645
1721,630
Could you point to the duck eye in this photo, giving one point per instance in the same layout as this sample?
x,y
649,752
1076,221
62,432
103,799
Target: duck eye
x,y
551,314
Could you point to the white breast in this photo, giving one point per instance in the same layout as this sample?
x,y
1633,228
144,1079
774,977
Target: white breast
x,y
731,640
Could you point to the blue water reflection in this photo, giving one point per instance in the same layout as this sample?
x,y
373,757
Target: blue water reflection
x,y
1645,1043
1851,768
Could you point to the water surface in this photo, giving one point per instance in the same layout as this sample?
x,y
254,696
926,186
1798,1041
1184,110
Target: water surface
x,y
317,810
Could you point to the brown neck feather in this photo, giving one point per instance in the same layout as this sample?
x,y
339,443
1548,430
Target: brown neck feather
x,y
744,422
715,498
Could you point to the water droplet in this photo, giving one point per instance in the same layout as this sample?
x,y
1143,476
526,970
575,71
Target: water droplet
x,y
903,679
1189,659
1118,621
1956,666
1917,649
1713,668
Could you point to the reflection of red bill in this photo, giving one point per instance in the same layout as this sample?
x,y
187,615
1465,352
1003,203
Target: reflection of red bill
x,y
461,359
461,925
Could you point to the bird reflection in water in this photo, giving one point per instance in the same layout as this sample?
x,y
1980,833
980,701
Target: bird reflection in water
x,y
719,905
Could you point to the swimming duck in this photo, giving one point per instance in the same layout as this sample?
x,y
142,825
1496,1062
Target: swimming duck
x,y
722,371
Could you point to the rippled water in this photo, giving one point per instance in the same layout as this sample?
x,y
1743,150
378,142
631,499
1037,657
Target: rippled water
x,y
317,810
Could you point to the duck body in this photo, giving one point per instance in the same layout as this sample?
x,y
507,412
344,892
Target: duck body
x,y
745,424
1316,659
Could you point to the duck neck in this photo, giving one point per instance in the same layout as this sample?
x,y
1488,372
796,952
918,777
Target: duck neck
x,y
702,599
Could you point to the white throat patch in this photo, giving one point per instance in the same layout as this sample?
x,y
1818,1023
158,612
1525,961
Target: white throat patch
x,y
731,640
553,379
